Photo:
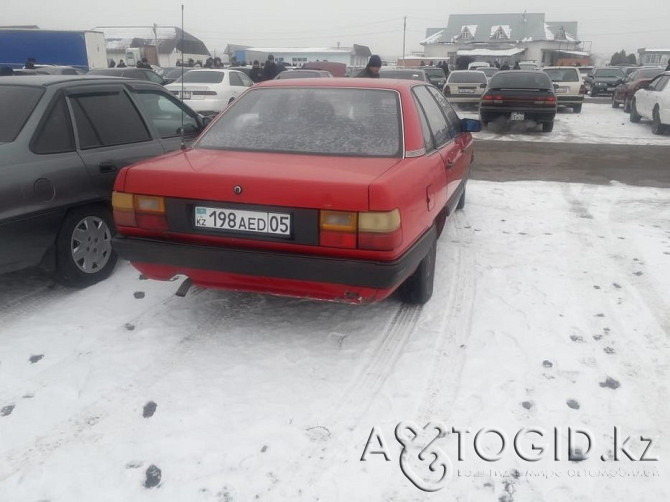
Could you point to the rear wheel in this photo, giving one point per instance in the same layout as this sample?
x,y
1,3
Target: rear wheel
x,y
577,108
418,287
634,116
656,126
84,251
547,126
461,201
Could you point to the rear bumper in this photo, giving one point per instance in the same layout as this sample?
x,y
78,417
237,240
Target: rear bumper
x,y
570,99
489,114
282,273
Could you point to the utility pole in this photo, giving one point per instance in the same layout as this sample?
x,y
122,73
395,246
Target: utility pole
x,y
404,30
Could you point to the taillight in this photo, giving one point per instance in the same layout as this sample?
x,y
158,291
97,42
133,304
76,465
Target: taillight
x,y
446,90
142,211
490,98
379,230
582,89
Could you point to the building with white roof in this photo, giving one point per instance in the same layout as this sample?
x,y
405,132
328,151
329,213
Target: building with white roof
x,y
355,56
504,38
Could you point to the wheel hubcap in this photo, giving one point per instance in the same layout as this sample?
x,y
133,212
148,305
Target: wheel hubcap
x,y
91,244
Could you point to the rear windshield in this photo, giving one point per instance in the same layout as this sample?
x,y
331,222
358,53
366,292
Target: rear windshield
x,y
521,80
434,72
175,73
404,74
489,72
563,74
18,103
320,121
202,77
609,72
467,77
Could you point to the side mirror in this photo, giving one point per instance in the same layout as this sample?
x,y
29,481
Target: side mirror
x,y
470,125
206,120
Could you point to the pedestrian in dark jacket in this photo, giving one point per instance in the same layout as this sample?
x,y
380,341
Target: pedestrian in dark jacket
x,y
516,66
270,69
667,68
30,63
504,66
256,72
372,68
121,64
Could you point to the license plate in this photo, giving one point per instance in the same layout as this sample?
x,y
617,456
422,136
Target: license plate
x,y
516,116
466,91
234,220
562,90
186,95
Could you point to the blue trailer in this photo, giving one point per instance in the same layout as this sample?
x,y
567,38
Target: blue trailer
x,y
82,49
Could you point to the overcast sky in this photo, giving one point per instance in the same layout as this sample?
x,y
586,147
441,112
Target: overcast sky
x,y
606,26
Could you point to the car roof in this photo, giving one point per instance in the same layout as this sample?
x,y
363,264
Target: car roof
x,y
47,80
344,82
560,68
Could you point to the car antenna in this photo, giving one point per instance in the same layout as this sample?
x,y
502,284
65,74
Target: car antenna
x,y
183,143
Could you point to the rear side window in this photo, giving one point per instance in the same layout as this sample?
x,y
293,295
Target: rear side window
x,y
436,119
235,79
55,132
107,119
18,103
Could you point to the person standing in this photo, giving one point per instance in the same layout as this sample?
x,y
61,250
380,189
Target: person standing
x,y
270,69
667,68
121,64
516,66
30,64
372,68
256,72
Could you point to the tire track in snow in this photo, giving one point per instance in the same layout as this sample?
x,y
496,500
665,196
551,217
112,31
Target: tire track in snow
x,y
454,327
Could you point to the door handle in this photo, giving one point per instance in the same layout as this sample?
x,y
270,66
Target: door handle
x,y
107,167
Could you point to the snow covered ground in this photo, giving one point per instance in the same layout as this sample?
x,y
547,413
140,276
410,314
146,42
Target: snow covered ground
x,y
550,312
597,123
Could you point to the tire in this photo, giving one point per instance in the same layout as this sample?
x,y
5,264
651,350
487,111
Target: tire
x,y
461,201
626,105
656,126
577,108
84,253
418,287
547,126
615,104
440,220
634,116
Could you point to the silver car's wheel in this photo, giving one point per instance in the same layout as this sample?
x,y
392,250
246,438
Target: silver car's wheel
x,y
84,247
656,126
91,244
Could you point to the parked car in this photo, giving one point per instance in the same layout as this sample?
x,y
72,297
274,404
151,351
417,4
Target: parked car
x,y
623,93
317,188
435,75
568,86
303,74
208,91
129,72
603,80
405,74
652,101
59,158
465,87
170,74
519,95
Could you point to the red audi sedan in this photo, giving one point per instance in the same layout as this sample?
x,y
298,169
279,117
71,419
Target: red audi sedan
x,y
333,189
